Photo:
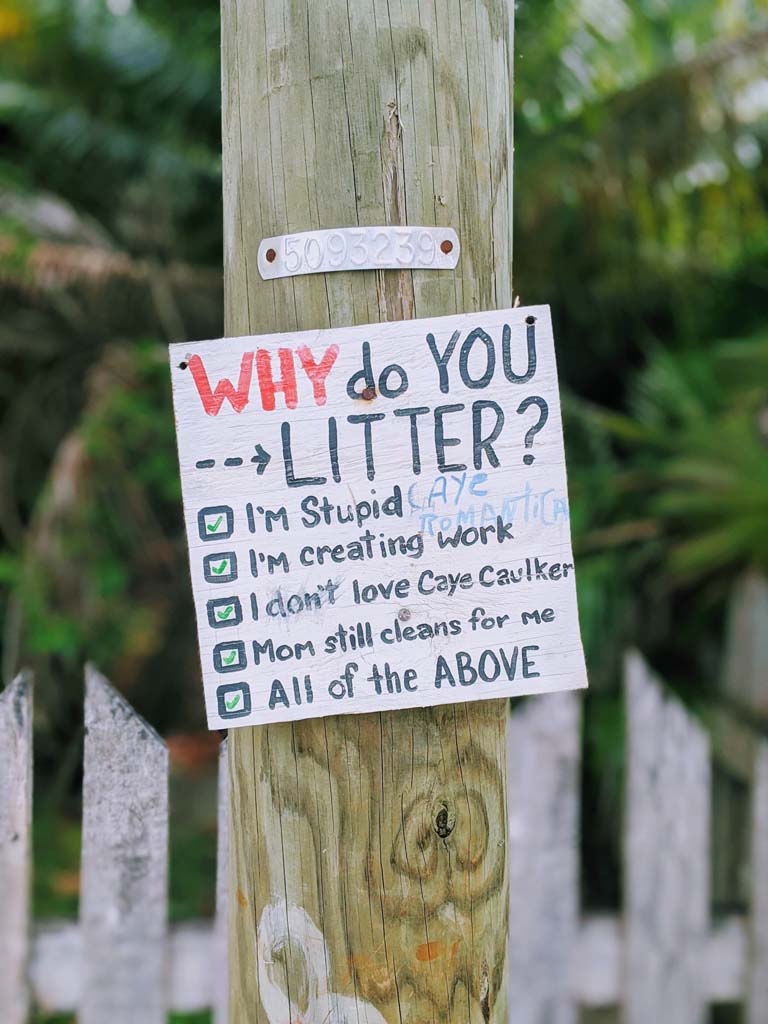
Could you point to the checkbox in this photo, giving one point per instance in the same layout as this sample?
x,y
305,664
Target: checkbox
x,y
220,568
229,657
216,522
234,700
224,611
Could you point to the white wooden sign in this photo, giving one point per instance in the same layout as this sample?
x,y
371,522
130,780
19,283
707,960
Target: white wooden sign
x,y
377,516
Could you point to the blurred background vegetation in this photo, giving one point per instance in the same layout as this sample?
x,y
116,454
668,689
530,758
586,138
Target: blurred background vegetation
x,y
641,216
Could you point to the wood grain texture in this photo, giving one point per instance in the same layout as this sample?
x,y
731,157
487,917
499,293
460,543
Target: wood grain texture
x,y
757,997
373,112
124,874
371,850
543,760
666,856
220,973
375,869
15,838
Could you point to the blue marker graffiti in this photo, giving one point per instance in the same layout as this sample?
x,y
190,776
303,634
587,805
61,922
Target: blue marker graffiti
x,y
438,506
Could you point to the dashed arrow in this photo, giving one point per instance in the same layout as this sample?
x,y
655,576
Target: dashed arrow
x,y
261,459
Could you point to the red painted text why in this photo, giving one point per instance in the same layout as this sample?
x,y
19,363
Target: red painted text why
x,y
267,384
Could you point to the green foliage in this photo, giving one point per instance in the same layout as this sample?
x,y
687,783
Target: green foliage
x,y
640,178
133,424
125,101
116,534
641,188
193,853
705,424
16,249
601,794
56,846
673,499
694,440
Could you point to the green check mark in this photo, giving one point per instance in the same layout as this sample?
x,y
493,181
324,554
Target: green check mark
x,y
232,704
225,612
229,658
219,569
213,527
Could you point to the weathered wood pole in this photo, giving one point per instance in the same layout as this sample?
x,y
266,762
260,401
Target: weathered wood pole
x,y
368,853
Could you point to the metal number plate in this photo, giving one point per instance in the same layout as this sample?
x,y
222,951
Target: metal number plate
x,y
378,248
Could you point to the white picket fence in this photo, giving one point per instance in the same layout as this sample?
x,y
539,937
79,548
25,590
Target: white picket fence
x,y
663,961
121,963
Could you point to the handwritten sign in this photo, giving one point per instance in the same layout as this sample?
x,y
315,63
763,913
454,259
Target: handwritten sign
x,y
377,516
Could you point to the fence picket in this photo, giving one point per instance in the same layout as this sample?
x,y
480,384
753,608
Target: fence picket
x,y
543,778
56,966
220,928
663,958
666,856
124,879
15,821
191,968
758,966
56,970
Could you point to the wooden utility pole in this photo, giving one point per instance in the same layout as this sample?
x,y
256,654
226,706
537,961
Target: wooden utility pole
x,y
368,852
